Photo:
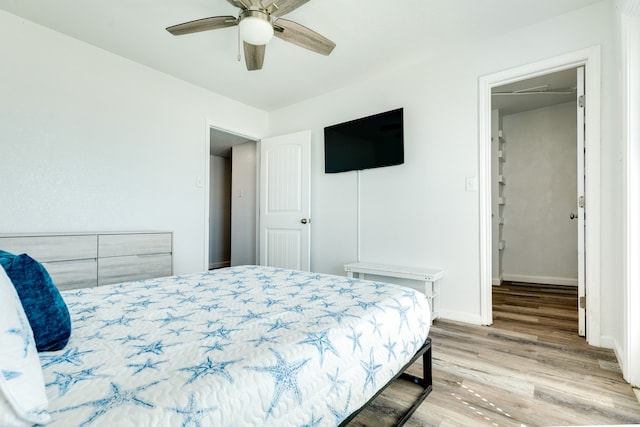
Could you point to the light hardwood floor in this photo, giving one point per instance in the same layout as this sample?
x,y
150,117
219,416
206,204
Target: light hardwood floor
x,y
529,369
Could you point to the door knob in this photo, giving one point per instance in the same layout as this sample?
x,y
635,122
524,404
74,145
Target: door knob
x,y
573,216
303,220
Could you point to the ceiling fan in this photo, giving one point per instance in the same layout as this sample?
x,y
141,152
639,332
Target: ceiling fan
x,y
257,25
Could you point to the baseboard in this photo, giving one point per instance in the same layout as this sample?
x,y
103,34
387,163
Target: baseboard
x,y
496,281
221,264
547,280
460,317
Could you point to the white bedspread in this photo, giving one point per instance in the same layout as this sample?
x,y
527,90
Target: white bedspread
x,y
243,346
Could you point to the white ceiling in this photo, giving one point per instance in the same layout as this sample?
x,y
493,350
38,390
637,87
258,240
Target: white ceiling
x,y
371,36
538,92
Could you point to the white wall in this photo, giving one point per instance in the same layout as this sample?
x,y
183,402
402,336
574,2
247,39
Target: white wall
x,y
92,141
496,192
220,212
541,174
243,204
419,213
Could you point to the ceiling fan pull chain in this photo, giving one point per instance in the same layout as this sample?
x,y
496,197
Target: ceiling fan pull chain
x,y
239,44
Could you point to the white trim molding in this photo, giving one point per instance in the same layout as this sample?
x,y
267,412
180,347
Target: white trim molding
x,y
590,58
630,37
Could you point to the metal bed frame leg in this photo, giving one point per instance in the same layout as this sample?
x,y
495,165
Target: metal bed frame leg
x,y
426,382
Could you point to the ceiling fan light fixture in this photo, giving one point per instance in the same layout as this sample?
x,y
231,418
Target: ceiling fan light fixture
x,y
255,27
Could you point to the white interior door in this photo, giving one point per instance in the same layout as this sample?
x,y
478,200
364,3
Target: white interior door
x,y
581,202
285,202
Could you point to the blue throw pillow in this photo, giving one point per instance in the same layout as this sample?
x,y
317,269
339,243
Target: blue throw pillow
x,y
46,310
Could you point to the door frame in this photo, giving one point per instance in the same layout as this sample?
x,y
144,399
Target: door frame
x,y
207,182
590,58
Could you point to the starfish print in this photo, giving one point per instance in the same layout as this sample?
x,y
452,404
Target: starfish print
x,y
335,382
250,316
71,356
170,318
285,376
391,349
64,380
338,315
116,398
129,338
262,340
341,414
23,333
218,346
156,348
192,415
315,422
221,332
402,311
122,320
370,368
209,367
355,337
279,324
146,365
321,342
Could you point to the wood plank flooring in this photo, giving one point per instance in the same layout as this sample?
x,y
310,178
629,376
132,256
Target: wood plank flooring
x,y
529,369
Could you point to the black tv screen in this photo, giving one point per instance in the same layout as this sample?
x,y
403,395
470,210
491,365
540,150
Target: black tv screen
x,y
369,142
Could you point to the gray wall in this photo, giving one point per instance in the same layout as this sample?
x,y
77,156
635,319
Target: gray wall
x,y
243,204
220,212
541,189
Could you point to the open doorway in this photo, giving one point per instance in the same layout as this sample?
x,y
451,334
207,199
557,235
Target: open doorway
x,y
590,58
536,244
232,200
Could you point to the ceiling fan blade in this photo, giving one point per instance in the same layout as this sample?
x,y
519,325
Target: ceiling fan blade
x,y
254,56
242,4
282,7
204,24
302,36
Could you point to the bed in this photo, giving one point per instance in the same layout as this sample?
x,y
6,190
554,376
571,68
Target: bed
x,y
238,346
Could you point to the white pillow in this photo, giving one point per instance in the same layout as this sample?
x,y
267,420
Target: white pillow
x,y
23,399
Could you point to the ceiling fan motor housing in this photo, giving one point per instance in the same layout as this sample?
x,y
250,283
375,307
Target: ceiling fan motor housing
x,y
255,26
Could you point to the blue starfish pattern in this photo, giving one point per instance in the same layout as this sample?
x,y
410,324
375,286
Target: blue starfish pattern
x,y
285,376
209,367
279,324
225,305
139,367
355,337
314,422
221,332
65,380
250,316
338,315
264,340
156,347
341,414
390,346
192,415
402,312
10,375
23,333
217,346
370,369
321,342
170,318
336,382
116,398
122,320
71,356
129,338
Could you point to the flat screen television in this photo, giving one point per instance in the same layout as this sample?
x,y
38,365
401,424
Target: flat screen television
x,y
370,142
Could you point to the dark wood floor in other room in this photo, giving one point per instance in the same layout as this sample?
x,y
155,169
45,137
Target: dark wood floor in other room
x,y
529,369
